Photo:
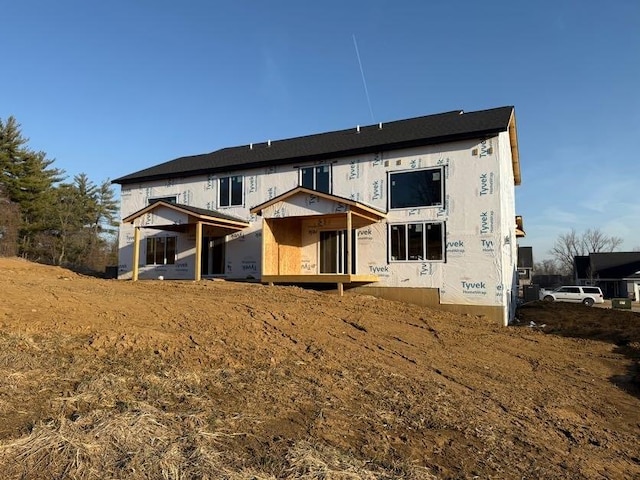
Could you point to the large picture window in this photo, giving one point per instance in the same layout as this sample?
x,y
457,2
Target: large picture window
x,y
416,242
316,178
417,188
161,250
231,191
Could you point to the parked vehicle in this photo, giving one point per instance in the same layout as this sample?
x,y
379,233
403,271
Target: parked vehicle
x,y
573,293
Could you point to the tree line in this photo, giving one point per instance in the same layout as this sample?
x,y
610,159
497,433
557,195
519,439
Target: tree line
x,y
47,218
573,244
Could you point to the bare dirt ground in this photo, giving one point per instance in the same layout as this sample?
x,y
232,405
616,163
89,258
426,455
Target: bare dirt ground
x,y
116,379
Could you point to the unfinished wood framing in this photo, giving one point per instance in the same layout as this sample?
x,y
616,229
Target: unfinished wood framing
x,y
198,265
291,245
181,218
136,253
348,245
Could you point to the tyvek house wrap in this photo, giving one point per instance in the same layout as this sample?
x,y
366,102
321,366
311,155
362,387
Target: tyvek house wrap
x,y
474,261
472,270
477,212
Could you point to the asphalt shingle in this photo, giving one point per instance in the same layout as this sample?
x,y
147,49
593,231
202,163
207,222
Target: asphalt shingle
x,y
426,130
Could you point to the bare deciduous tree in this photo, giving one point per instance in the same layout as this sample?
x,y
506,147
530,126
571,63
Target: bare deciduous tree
x,y
548,266
571,244
595,241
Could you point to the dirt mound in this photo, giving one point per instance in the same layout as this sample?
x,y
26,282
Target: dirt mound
x,y
218,379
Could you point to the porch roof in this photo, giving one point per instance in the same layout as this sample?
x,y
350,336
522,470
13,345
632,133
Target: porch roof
x,y
226,223
366,214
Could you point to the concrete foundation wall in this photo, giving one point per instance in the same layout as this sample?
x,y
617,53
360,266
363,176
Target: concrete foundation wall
x,y
430,297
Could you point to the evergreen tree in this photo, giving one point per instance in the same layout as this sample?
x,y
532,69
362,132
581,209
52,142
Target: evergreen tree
x,y
28,180
105,218
9,225
60,223
83,216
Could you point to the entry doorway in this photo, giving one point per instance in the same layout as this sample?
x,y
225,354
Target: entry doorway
x,y
333,251
213,255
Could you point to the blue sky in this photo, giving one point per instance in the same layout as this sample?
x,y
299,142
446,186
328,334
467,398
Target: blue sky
x,y
109,88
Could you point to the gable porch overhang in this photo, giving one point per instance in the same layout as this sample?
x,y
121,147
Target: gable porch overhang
x,y
291,223
185,219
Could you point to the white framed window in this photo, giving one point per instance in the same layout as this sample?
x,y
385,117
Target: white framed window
x,y
524,273
416,188
416,242
316,178
231,191
161,250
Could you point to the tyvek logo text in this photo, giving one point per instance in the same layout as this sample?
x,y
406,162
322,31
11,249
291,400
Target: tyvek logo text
x,y
474,288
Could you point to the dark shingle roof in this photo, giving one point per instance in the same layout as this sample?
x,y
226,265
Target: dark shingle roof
x,y
209,213
427,130
615,264
188,208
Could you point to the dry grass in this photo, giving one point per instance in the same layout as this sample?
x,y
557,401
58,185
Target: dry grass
x,y
121,419
325,463
104,444
154,445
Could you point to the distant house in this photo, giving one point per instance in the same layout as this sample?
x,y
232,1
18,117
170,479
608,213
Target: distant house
x,y
525,265
616,273
419,210
551,281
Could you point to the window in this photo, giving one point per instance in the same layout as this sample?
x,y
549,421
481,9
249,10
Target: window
x,y
231,191
594,290
524,273
161,250
569,290
316,178
417,188
172,199
333,251
416,242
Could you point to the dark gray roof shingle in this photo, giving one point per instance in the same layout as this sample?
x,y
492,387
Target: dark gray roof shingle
x,y
179,206
426,130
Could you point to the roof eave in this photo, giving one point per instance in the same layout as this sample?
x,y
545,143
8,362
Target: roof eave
x,y
515,152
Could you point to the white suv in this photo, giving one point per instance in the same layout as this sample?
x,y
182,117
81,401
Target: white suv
x,y
574,293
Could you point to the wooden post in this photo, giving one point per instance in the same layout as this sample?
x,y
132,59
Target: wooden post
x,y
263,270
136,252
198,269
348,246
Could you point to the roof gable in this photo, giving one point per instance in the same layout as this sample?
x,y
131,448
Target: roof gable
x,y
303,202
426,130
